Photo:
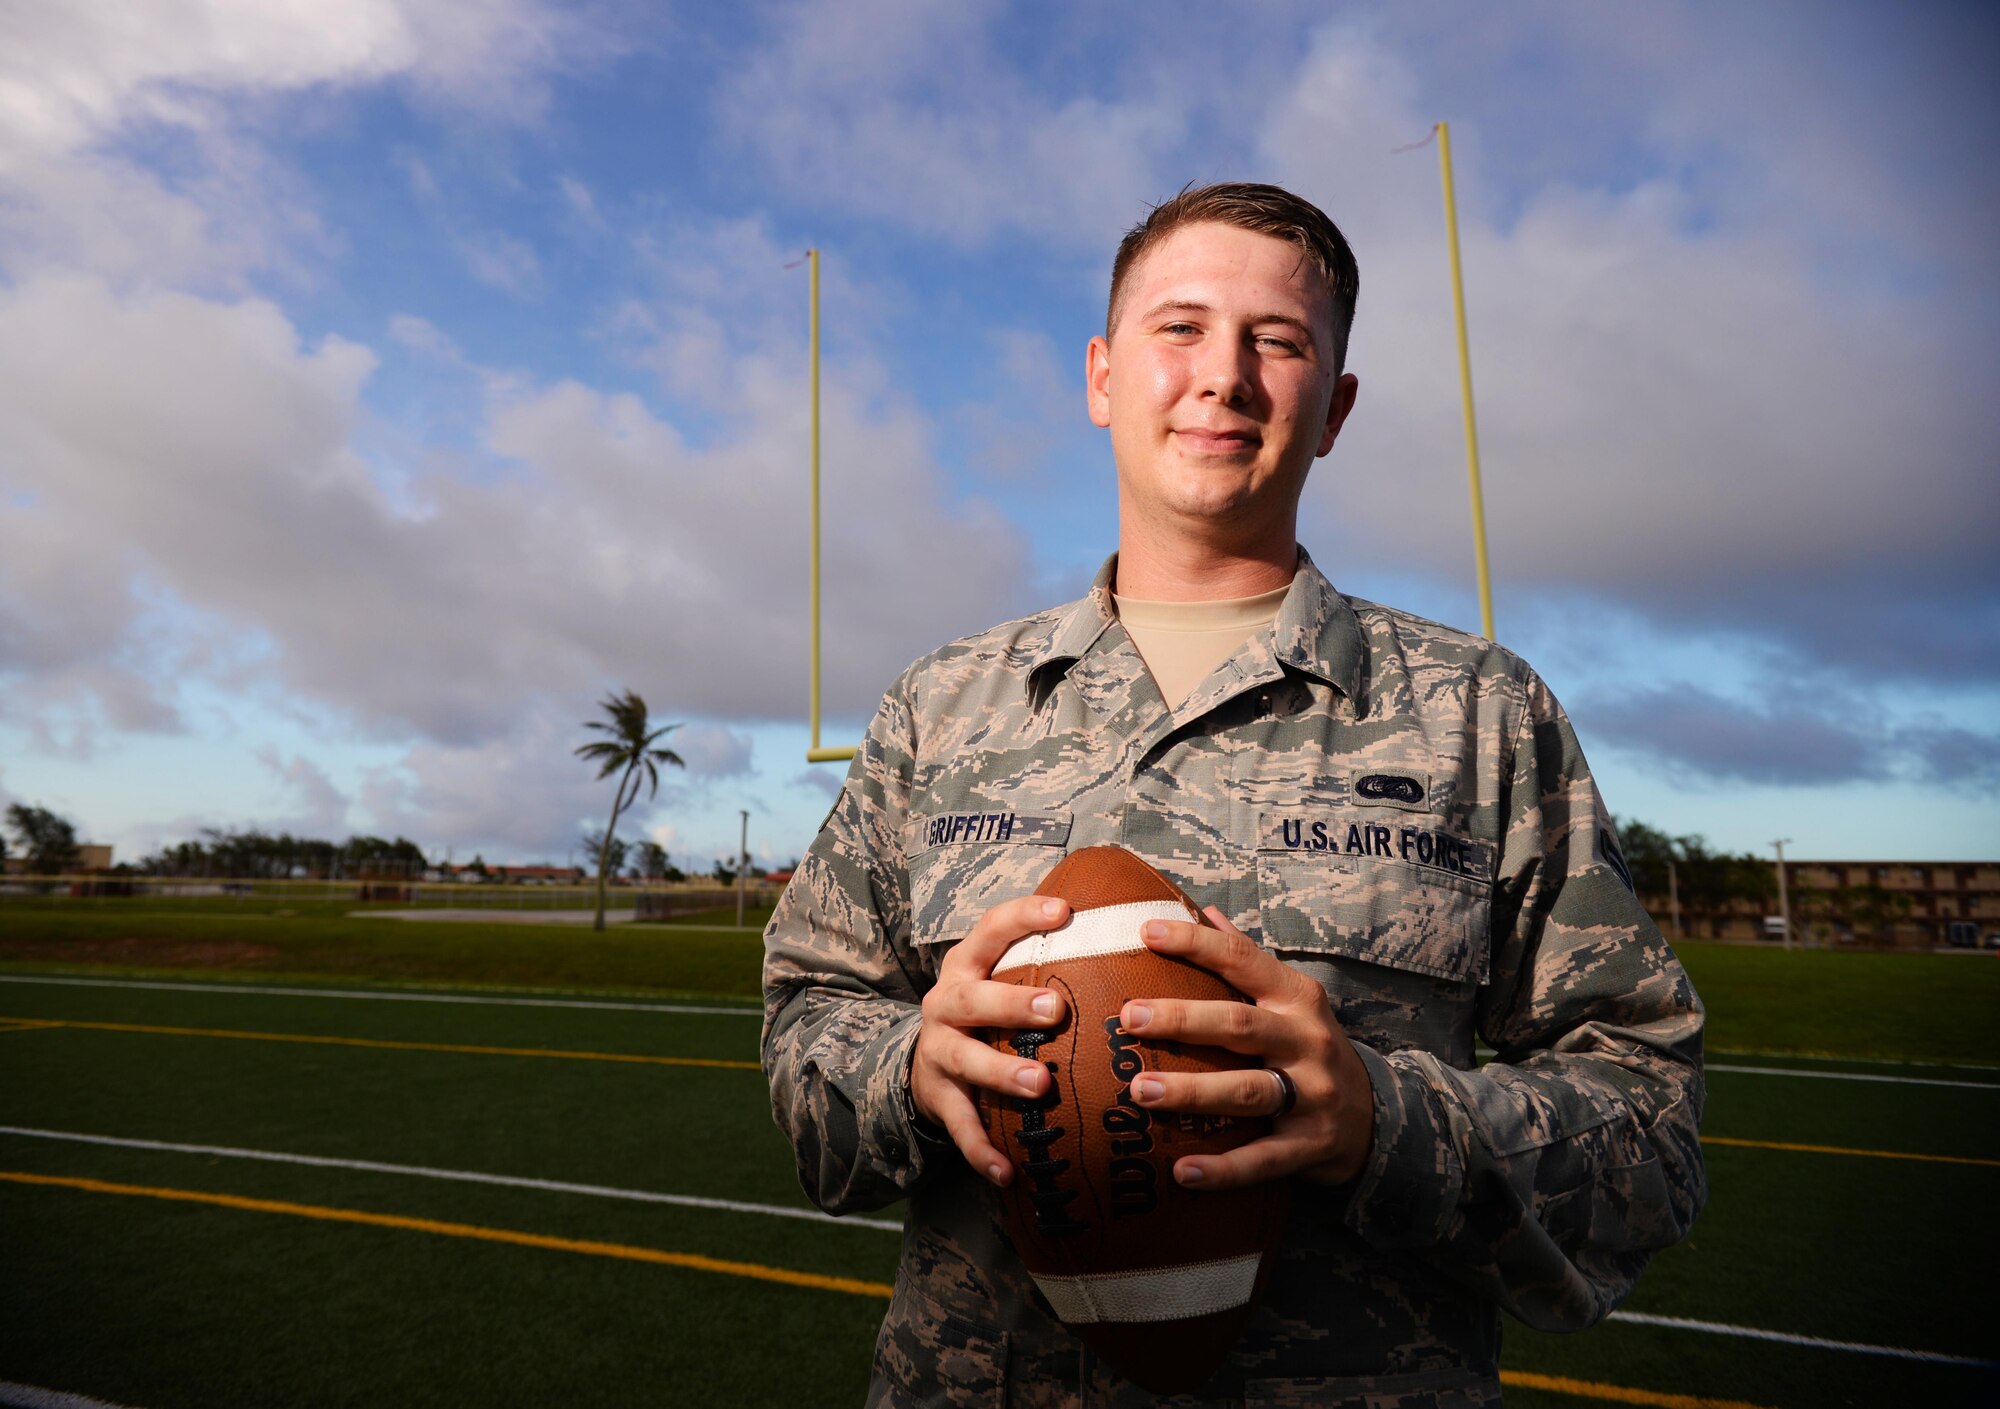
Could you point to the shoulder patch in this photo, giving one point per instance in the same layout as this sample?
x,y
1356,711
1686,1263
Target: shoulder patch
x,y
1610,855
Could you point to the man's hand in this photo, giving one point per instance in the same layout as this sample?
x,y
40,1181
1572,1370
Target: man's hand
x,y
950,1062
1328,1134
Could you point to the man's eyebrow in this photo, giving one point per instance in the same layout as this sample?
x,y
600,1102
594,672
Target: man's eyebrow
x,y
1178,305
1189,305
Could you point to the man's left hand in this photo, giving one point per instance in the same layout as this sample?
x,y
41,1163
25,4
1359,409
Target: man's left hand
x,y
1327,1135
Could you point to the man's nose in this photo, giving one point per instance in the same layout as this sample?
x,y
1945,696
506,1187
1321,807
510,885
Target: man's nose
x,y
1225,371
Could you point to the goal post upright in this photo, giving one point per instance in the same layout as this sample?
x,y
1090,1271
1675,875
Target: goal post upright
x,y
1478,495
814,753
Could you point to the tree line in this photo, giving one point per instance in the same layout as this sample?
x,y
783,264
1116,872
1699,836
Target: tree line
x,y
1711,884
1708,881
48,842
253,854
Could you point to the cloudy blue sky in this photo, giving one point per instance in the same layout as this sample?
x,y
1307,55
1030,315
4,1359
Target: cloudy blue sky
x,y
382,383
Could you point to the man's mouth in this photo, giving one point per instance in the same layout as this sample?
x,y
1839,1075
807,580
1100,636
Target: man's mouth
x,y
1217,441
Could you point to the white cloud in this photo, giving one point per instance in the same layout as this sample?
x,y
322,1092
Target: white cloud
x,y
1690,417
1729,312
1868,137
493,257
898,111
1701,388
71,74
1031,405
199,79
102,213
76,71
200,449
499,260
422,335
709,300
823,780
523,792
582,204
712,751
319,808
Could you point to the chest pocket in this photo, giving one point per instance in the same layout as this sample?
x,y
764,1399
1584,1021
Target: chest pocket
x,y
962,864
1390,913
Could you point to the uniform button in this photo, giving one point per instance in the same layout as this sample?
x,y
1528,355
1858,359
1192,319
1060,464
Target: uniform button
x,y
1392,1216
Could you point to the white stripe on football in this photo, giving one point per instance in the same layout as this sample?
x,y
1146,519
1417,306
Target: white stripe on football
x,y
1158,1294
1109,929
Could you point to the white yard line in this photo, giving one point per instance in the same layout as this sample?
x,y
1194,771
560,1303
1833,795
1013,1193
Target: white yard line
x,y
1718,1328
1851,1061
1638,1318
33,1397
1855,1076
389,997
1486,1055
463,1176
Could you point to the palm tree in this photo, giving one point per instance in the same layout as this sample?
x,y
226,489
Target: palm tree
x,y
629,745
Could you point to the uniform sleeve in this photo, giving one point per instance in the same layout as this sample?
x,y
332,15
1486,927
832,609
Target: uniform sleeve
x,y
840,1002
1547,1178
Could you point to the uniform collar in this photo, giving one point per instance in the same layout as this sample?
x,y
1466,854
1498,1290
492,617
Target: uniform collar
x,y
1316,631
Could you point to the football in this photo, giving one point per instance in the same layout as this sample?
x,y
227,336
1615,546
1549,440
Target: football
x,y
1156,1278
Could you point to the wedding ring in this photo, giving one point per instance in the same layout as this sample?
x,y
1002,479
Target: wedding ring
x,y
1288,1091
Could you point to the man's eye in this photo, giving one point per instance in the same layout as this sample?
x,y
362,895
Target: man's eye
x,y
1277,344
1179,328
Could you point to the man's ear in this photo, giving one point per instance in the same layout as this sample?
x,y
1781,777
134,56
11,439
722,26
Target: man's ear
x,y
1097,382
1344,391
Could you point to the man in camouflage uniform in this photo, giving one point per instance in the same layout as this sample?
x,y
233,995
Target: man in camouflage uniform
x,y
1401,851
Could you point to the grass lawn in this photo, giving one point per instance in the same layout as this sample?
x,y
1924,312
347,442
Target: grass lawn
x,y
461,1191
754,916
1908,1007
320,941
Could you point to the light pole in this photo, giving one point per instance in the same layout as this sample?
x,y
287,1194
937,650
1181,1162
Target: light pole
x,y
742,865
1674,896
1784,900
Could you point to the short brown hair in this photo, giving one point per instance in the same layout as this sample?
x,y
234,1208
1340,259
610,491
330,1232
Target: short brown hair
x,y
1267,210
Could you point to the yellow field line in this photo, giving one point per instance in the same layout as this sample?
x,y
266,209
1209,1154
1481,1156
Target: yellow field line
x,y
785,1276
404,1046
1617,1394
628,1253
1844,1150
26,1025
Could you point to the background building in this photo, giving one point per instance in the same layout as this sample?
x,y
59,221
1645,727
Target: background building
x,y
1890,903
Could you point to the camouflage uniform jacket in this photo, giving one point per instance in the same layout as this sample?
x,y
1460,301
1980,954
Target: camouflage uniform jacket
x,y
1396,808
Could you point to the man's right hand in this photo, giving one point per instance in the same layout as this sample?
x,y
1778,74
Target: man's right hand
x,y
950,1062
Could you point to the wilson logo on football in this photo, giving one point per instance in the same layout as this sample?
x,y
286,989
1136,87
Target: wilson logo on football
x,y
1155,1277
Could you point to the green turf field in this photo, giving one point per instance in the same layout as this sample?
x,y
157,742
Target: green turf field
x,y
312,938
629,1238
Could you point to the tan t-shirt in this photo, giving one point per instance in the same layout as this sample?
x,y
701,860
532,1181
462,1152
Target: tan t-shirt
x,y
1181,642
